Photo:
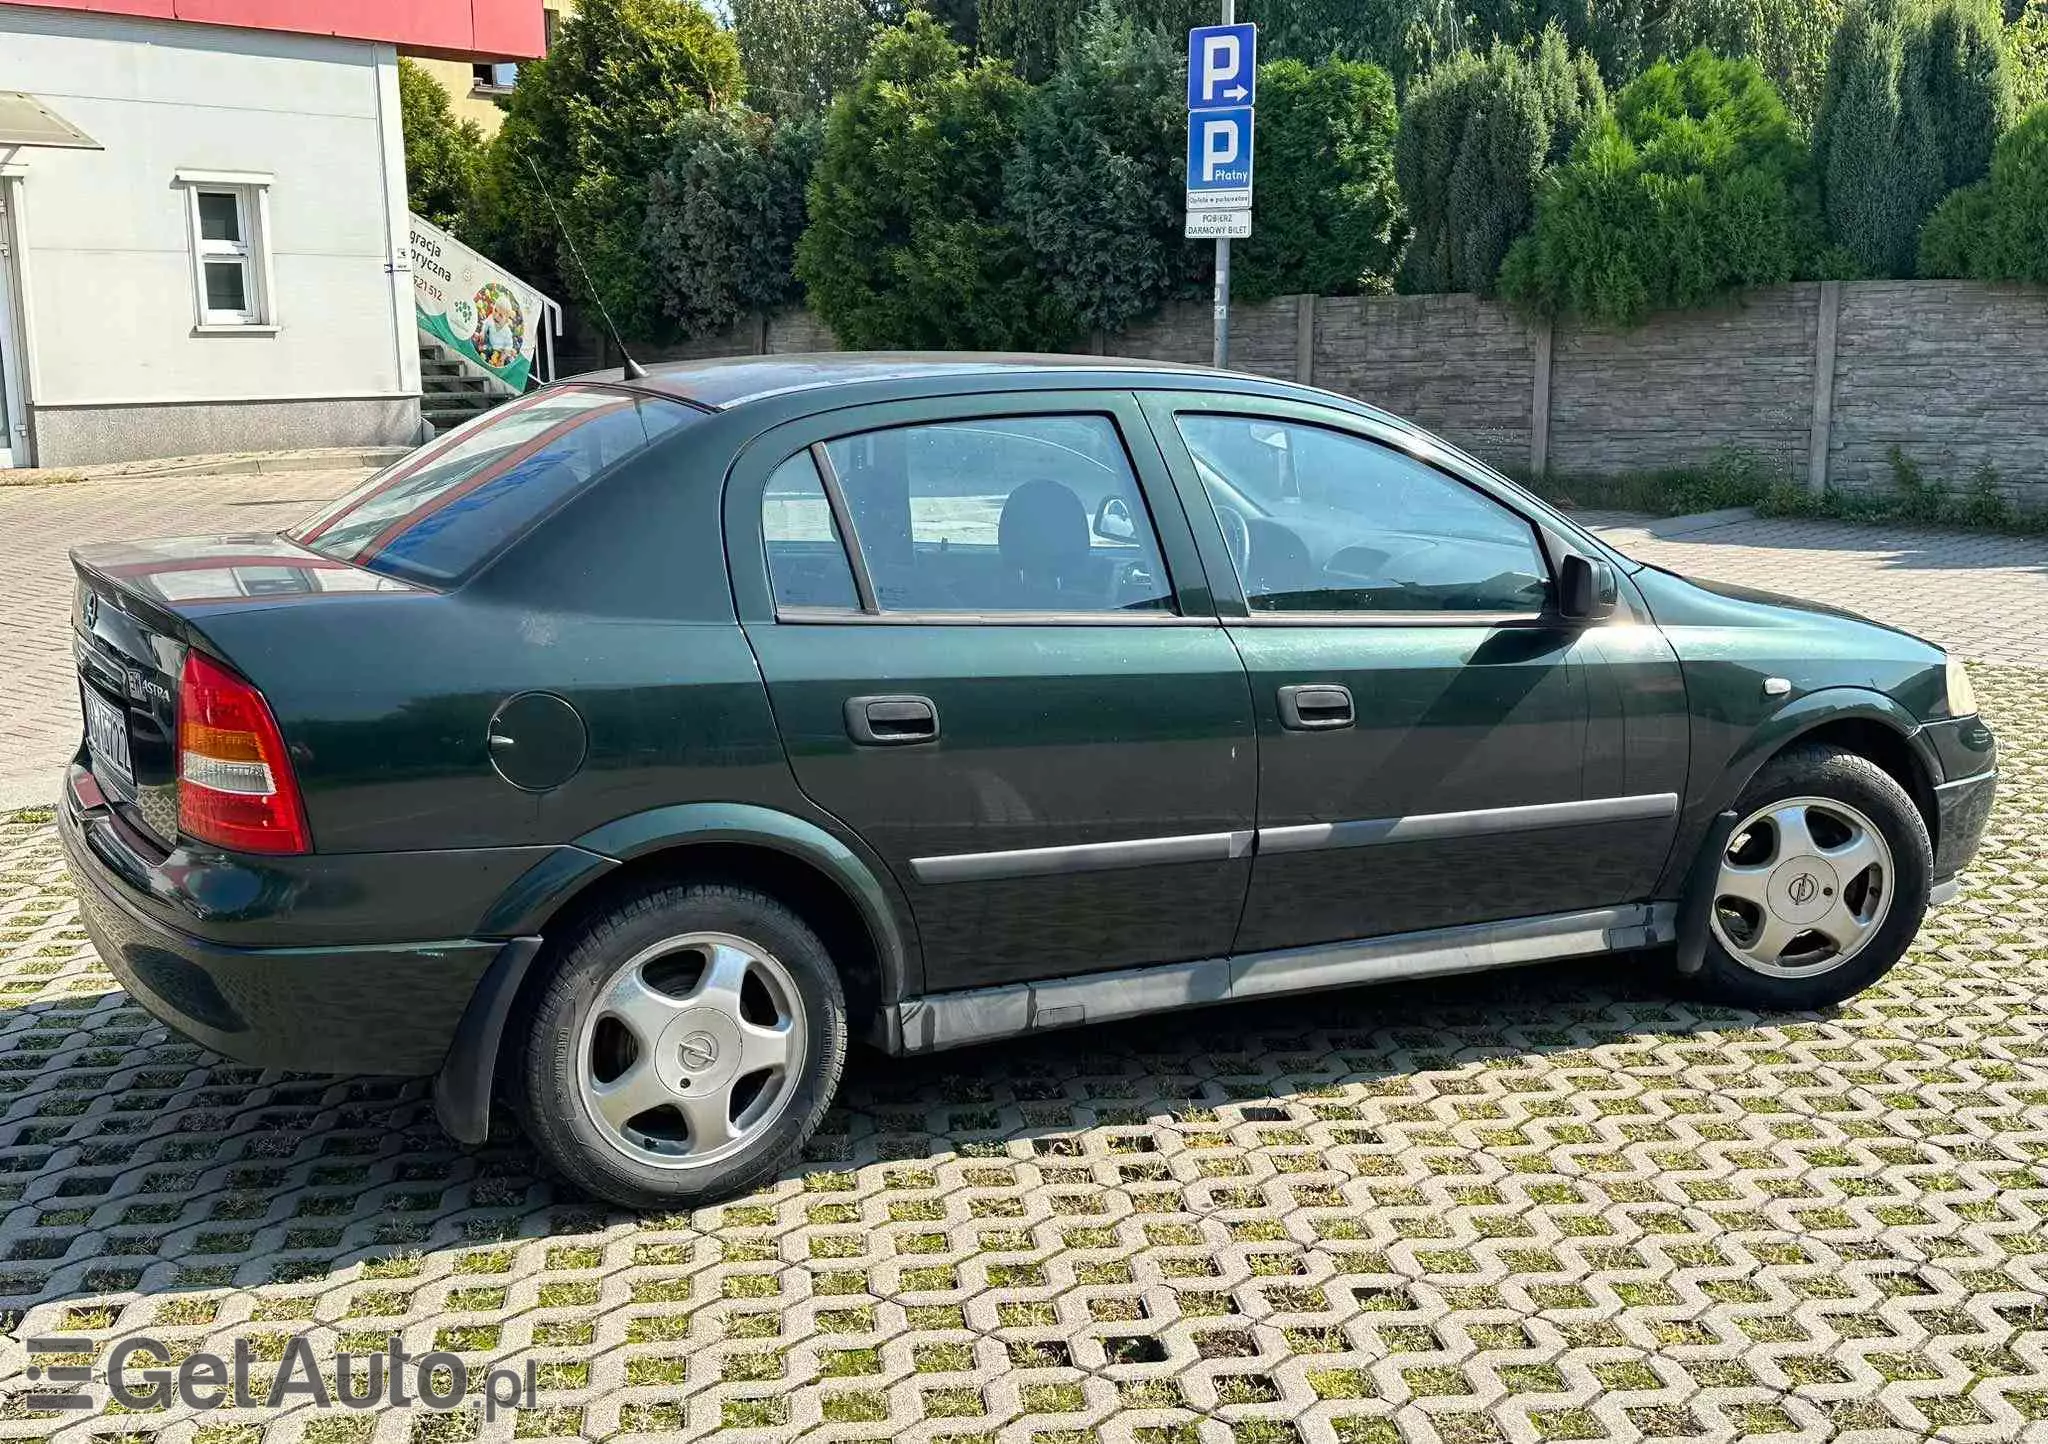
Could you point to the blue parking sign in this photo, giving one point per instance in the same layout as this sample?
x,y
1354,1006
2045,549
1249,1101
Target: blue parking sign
x,y
1220,159
1222,66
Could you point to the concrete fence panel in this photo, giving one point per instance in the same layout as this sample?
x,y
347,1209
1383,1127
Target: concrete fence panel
x,y
1687,385
1819,379
1952,373
1455,364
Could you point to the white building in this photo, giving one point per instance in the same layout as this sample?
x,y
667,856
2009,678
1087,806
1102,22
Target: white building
x,y
203,245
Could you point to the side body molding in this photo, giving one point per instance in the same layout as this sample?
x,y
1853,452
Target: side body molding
x,y
950,1020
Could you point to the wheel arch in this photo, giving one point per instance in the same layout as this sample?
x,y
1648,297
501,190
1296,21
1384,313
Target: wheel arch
x,y
1859,720
822,879
817,874
1867,723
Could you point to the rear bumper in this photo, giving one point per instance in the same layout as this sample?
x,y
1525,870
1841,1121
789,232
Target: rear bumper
x,y
346,1009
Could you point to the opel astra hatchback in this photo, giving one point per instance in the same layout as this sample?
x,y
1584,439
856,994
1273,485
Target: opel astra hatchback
x,y
628,750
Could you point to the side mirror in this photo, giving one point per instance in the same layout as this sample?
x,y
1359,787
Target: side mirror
x,y
1587,590
1114,522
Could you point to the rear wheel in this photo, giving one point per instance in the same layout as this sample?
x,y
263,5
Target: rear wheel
x,y
685,1047
1821,886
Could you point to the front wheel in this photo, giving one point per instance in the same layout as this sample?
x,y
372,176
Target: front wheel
x,y
1821,886
685,1047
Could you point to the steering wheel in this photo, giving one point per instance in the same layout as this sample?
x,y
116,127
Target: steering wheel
x,y
1237,536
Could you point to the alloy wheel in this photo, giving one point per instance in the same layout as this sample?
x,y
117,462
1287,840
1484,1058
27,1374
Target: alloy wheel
x,y
1803,887
693,1049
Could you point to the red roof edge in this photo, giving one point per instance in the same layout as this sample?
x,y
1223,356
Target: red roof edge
x,y
450,29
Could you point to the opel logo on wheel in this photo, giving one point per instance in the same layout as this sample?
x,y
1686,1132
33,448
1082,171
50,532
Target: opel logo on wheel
x,y
698,1051
1802,889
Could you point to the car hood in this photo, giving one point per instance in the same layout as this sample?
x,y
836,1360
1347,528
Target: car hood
x,y
1679,600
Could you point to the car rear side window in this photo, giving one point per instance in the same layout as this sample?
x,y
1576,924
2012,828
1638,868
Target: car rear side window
x,y
806,558
441,512
1009,514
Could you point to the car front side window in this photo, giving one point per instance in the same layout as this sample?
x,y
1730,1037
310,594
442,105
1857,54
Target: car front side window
x,y
1319,520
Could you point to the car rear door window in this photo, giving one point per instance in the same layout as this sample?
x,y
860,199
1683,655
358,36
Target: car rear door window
x,y
439,513
1016,514
1318,520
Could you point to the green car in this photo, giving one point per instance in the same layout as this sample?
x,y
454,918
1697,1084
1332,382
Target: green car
x,y
628,751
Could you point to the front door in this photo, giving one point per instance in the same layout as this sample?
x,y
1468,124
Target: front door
x,y
1009,687
1423,719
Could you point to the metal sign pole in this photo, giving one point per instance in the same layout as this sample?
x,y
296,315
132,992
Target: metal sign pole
x,y
1221,350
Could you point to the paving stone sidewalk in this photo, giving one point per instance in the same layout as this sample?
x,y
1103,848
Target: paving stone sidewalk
x,y
1550,1204
1983,596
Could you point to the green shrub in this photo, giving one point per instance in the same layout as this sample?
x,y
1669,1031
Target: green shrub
x,y
1739,478
1694,187
1997,230
1916,97
909,242
1953,242
1788,39
724,215
2026,56
1326,212
1980,504
594,118
1034,36
441,153
1728,478
798,54
1097,182
1477,137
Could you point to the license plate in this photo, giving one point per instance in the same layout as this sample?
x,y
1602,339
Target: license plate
x,y
106,734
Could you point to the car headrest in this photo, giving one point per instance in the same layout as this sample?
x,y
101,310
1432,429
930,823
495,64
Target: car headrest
x,y
1044,530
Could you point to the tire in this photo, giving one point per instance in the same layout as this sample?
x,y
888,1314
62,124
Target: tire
x,y
1847,789
589,1039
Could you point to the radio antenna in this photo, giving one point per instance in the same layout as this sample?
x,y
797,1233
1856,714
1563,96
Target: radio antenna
x,y
632,370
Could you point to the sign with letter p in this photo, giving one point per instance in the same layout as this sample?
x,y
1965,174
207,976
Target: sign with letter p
x,y
1222,66
1220,160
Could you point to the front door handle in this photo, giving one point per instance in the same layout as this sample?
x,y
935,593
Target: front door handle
x,y
1316,707
891,721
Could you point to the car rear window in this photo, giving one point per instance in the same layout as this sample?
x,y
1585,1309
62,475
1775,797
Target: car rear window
x,y
442,511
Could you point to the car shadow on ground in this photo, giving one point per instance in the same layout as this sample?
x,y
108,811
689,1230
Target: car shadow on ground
x,y
138,1163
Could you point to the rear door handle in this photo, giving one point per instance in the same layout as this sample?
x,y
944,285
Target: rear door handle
x,y
1316,707
891,721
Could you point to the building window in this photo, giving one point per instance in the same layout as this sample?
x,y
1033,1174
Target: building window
x,y
493,79
230,250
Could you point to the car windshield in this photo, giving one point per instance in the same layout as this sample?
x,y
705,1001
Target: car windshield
x,y
439,513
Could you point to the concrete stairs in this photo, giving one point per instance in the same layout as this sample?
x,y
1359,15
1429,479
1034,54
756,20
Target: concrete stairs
x,y
449,395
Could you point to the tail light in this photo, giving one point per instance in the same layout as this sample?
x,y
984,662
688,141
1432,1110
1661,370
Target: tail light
x,y
235,784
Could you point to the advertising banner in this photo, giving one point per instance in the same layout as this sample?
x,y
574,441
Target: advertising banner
x,y
475,309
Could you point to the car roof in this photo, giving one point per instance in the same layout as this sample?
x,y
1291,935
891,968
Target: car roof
x,y
724,383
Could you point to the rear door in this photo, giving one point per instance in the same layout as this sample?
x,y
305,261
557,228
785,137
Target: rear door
x,y
1012,685
1423,717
